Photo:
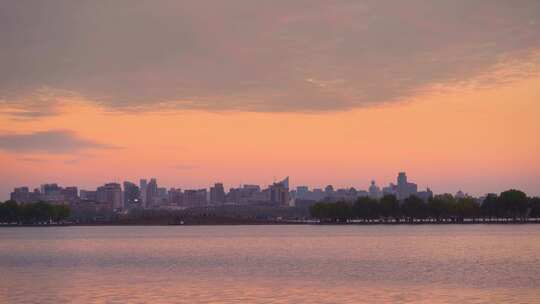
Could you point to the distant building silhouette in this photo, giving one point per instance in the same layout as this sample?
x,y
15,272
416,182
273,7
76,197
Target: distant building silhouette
x,y
374,191
217,194
279,193
152,193
132,195
110,193
404,188
195,198
143,185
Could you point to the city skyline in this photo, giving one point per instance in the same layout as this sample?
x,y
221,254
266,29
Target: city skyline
x,y
358,185
148,194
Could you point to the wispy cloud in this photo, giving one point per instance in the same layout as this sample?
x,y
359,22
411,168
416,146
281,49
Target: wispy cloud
x,y
306,55
31,159
55,142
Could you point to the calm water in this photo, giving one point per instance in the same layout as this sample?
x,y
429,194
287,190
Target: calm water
x,y
271,264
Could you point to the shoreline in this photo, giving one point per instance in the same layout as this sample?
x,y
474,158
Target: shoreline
x,y
282,223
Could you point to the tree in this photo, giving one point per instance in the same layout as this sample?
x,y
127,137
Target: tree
x,y
366,208
331,212
60,213
534,204
10,212
342,211
441,206
490,206
414,208
515,203
467,207
389,206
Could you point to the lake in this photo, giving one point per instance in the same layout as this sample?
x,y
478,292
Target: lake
x,y
271,264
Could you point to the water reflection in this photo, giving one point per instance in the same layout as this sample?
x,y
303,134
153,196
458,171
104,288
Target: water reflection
x,y
271,264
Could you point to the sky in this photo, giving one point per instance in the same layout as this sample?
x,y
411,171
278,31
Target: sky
x,y
243,91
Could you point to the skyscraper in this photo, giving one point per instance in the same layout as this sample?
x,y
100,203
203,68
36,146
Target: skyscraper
x,y
217,194
279,193
152,192
404,188
111,193
143,187
374,191
131,195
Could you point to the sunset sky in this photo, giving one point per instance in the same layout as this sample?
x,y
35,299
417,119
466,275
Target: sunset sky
x,y
243,91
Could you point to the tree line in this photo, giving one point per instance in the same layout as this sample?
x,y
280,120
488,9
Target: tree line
x,y
39,213
511,205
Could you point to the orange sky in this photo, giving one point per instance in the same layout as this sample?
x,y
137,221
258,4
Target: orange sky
x,y
477,140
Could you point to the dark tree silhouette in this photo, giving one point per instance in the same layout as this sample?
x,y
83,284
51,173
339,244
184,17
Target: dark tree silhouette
x,y
366,209
414,208
515,203
389,207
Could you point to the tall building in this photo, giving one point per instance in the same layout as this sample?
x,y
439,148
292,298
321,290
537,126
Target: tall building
x,y
302,192
285,182
374,191
143,185
131,195
162,197
111,194
279,193
51,193
87,195
390,190
195,198
70,194
404,188
152,192
217,194
20,195
176,197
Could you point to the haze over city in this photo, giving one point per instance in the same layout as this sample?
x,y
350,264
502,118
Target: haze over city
x,y
242,92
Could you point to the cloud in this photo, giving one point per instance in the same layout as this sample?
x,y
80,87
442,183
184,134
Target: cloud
x,y
305,55
54,142
31,159
38,103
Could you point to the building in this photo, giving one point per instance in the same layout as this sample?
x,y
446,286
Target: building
x,y
51,193
302,192
279,193
460,194
217,194
111,194
70,194
152,193
162,197
143,186
425,195
132,195
329,191
245,195
22,195
195,198
390,190
374,191
404,188
87,195
176,197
